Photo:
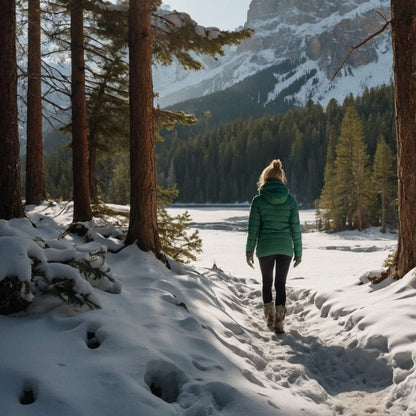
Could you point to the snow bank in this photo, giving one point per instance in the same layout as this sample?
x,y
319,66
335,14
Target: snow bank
x,y
191,341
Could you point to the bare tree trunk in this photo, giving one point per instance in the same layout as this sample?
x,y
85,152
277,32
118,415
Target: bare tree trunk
x,y
143,226
35,180
82,208
10,197
404,51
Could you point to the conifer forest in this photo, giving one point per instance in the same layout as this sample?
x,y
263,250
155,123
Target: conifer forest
x,y
338,158
222,163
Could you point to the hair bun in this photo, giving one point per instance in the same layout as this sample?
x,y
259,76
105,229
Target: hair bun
x,y
277,163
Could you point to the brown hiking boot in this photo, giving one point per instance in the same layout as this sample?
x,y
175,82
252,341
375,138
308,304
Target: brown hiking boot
x,y
279,318
269,313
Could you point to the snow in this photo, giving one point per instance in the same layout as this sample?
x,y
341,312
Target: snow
x,y
195,335
175,84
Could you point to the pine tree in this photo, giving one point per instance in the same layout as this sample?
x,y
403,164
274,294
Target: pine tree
x,y
403,16
106,37
384,182
177,241
344,196
81,189
143,227
35,177
10,204
351,169
331,217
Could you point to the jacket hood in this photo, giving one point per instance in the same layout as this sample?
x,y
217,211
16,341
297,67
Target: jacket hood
x,y
274,192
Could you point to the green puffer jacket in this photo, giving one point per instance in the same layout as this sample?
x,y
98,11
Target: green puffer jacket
x,y
274,222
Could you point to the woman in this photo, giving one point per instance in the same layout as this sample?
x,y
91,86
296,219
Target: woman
x,y
274,228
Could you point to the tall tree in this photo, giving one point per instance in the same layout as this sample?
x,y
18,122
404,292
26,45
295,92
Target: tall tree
x,y
384,181
403,24
327,204
105,41
344,196
351,165
82,208
35,179
10,197
329,197
143,227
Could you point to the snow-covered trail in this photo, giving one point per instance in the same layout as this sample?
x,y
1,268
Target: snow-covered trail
x,y
353,380
191,341
318,357
338,378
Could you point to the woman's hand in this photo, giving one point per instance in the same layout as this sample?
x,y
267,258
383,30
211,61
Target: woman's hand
x,y
297,261
250,258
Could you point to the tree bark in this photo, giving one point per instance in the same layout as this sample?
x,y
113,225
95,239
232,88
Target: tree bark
x,y
143,227
10,196
35,180
403,22
81,191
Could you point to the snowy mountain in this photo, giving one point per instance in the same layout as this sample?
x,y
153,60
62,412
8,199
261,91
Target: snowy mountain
x,y
300,45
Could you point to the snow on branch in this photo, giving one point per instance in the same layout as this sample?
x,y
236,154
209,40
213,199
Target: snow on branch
x,y
34,268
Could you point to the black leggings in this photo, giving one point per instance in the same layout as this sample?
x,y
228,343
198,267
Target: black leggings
x,y
267,264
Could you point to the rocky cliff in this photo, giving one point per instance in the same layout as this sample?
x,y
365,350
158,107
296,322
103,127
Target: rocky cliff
x,y
323,31
315,35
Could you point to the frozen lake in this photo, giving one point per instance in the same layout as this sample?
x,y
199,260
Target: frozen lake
x,y
327,258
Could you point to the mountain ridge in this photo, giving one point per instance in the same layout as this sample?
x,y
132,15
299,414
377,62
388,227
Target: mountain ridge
x,y
317,35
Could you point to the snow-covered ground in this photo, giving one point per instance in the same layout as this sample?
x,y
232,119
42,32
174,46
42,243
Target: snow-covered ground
x,y
191,341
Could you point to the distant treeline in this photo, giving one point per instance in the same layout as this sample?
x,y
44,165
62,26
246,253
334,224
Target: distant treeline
x,y
223,164
247,98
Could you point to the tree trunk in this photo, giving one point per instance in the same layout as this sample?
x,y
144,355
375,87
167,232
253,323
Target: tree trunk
x,y
404,52
10,197
82,208
35,180
143,226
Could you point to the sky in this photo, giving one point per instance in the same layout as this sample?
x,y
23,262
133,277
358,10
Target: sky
x,y
224,14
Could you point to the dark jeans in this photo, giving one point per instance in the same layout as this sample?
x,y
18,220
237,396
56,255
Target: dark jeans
x,y
281,264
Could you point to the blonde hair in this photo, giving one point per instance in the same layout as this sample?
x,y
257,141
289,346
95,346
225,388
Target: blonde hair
x,y
273,171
